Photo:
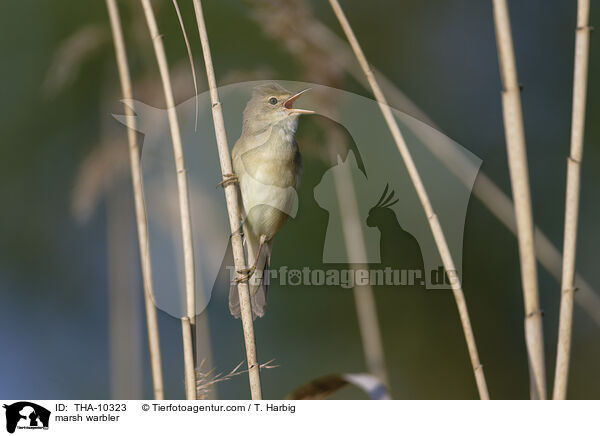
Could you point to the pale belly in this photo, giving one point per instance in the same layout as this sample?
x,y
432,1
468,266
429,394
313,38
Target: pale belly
x,y
266,207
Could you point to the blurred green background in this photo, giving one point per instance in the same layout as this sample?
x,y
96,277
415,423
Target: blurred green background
x,y
67,234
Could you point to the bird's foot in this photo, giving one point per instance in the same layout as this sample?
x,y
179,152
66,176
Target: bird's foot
x,y
245,274
228,179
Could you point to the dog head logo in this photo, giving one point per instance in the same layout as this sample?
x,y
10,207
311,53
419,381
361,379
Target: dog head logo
x,y
26,415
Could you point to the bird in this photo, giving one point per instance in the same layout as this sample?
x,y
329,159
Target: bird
x,y
397,246
267,167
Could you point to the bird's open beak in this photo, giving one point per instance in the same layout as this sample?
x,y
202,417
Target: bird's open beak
x,y
290,101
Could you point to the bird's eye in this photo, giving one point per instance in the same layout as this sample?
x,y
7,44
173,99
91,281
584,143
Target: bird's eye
x,y
273,100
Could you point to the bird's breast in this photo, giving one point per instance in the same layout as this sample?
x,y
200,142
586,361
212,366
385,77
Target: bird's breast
x,y
268,177
277,162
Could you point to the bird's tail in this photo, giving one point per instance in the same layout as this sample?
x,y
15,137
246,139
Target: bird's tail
x,y
258,301
258,283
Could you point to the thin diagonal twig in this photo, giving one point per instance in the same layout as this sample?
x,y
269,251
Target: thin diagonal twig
x,y
582,44
140,209
413,172
190,57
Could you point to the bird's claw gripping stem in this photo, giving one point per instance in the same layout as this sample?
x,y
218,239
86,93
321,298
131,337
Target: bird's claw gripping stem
x,y
246,273
228,179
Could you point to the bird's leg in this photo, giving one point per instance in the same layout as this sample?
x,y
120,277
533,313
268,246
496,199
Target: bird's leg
x,y
228,179
249,272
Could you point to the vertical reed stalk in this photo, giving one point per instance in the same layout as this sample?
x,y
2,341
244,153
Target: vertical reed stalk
x,y
182,188
232,208
413,172
582,44
188,358
519,175
364,297
140,210
125,335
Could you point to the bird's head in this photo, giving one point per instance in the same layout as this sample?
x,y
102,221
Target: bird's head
x,y
272,105
382,210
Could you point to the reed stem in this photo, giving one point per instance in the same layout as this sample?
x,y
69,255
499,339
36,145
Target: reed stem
x,y
182,188
519,175
232,208
582,44
188,358
140,209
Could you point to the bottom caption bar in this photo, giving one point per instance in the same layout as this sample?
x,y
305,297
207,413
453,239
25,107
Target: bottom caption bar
x,y
299,417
